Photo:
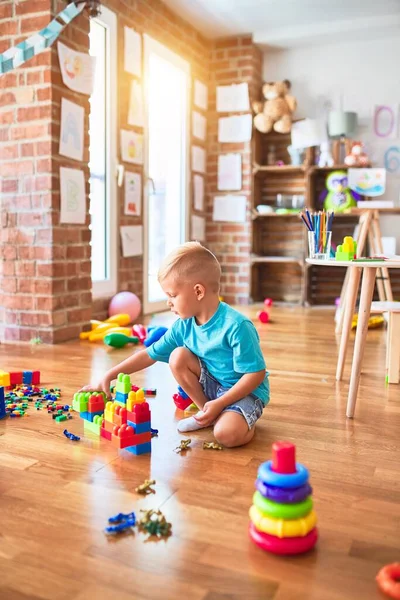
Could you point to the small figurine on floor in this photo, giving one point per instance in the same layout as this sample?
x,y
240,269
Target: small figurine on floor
x,y
184,445
154,522
212,446
145,488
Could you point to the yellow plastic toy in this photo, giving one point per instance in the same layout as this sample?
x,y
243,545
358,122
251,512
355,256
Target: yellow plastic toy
x,y
99,329
283,528
373,322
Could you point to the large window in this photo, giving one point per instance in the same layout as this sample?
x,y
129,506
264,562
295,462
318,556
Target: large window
x,y
102,164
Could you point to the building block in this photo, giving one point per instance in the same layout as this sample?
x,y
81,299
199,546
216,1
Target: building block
x,y
120,417
96,404
140,413
90,416
140,427
109,411
134,398
105,434
61,418
108,426
4,379
92,427
16,378
80,401
123,436
36,377
123,384
27,377
84,415
347,250
121,397
2,404
140,449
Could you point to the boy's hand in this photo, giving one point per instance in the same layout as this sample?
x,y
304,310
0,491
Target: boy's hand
x,y
210,412
103,386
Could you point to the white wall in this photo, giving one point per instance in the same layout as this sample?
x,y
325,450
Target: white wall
x,y
364,73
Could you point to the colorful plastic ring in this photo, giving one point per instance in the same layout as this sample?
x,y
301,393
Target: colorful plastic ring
x,y
281,527
283,480
294,545
285,496
282,511
388,580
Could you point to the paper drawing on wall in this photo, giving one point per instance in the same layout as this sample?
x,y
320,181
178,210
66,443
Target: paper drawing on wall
x,y
136,112
392,159
200,94
230,172
133,194
386,121
71,134
73,196
368,182
132,52
131,147
77,69
132,240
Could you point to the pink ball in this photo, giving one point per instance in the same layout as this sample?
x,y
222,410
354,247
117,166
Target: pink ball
x,y
268,302
125,303
263,316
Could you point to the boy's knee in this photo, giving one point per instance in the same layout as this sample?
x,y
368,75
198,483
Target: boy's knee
x,y
225,436
179,358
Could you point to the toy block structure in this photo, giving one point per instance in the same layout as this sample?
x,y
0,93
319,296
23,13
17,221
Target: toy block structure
x,y
282,519
11,379
124,421
347,250
2,404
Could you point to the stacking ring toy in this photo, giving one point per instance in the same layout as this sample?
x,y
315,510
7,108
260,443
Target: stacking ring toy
x,y
283,480
294,545
388,580
282,511
286,496
280,527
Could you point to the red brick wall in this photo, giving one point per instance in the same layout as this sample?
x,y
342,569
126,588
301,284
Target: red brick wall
x,y
233,60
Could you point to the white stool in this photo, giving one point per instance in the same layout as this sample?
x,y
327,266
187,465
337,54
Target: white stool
x,y
393,337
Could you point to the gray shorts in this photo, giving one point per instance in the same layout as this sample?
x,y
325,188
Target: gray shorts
x,y
250,407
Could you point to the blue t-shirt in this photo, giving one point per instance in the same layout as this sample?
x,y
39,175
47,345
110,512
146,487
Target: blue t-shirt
x,y
228,344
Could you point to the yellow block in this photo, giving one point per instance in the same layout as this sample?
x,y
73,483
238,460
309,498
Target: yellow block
x,y
135,398
4,378
283,528
109,411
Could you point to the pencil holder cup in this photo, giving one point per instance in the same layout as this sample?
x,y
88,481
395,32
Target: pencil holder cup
x,y
319,248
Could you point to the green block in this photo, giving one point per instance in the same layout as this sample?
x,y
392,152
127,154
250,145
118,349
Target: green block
x,y
344,255
61,418
92,427
80,401
123,384
98,419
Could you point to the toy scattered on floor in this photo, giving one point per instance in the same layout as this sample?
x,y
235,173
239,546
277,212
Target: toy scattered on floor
x,y
71,436
121,522
17,399
184,445
263,316
154,522
388,580
154,432
9,379
282,516
119,340
154,334
139,331
338,196
212,446
124,421
149,391
181,399
125,302
347,250
145,488
374,322
116,323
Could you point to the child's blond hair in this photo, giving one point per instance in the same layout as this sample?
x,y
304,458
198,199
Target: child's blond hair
x,y
192,261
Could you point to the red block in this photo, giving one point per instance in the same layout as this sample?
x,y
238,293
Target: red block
x,y
35,377
108,426
283,457
96,403
106,434
122,436
15,378
120,417
140,413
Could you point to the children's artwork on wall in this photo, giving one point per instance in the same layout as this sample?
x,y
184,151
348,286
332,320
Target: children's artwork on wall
x,y
77,69
136,112
131,147
230,172
392,160
198,228
71,134
367,182
131,240
233,98
235,129
199,125
132,52
230,208
198,192
386,121
133,194
200,95
198,159
73,196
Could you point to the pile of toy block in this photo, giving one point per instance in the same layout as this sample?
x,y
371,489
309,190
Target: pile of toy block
x,y
125,421
10,379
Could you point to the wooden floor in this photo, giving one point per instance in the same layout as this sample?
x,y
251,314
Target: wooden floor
x,y
56,495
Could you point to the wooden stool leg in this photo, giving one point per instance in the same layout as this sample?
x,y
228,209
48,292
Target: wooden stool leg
x,y
348,309
367,291
394,348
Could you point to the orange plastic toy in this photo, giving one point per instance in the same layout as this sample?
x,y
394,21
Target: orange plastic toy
x,y
388,580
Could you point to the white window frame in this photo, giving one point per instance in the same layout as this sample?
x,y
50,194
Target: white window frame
x,y
149,45
108,287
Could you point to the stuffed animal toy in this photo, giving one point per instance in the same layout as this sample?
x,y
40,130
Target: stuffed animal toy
x,y
338,196
276,112
357,158
325,156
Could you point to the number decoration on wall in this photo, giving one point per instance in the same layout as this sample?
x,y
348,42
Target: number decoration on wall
x,y
392,159
386,121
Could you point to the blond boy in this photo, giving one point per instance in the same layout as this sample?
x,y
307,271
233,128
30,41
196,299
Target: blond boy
x,y
213,351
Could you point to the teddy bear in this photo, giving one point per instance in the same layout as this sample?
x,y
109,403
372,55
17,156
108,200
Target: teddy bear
x,y
356,157
276,112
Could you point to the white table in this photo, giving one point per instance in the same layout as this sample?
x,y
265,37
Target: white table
x,y
367,290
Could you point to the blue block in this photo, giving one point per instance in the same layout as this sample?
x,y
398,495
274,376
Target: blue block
x,y
84,415
140,427
91,415
27,377
140,448
2,404
121,397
